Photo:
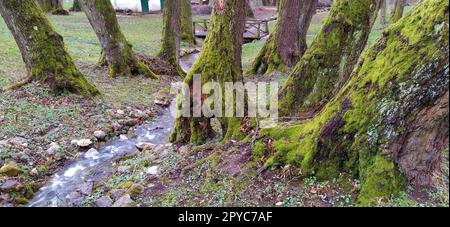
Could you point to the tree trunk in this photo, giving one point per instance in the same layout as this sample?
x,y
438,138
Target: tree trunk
x,y
326,65
287,43
53,6
76,7
219,61
397,10
249,10
383,13
170,49
390,122
187,33
116,50
42,49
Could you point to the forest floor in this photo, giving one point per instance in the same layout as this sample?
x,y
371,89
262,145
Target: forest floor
x,y
36,130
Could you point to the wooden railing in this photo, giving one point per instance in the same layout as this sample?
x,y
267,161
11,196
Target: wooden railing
x,y
254,28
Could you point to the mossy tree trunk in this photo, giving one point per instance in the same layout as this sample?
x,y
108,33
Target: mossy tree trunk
x,y
42,49
116,50
389,124
287,43
327,64
171,37
187,33
397,10
220,61
53,6
76,7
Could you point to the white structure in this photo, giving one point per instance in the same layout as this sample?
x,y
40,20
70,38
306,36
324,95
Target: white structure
x,y
136,5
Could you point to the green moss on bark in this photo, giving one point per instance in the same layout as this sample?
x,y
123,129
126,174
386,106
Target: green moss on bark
x,y
43,50
187,34
170,48
219,61
327,64
118,52
405,72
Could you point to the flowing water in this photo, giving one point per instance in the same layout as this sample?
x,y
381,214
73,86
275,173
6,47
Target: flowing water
x,y
69,186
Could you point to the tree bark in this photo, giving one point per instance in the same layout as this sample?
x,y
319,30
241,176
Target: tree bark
x,y
42,49
219,61
53,6
187,33
170,49
383,13
389,124
397,10
326,65
249,10
117,51
287,43
76,7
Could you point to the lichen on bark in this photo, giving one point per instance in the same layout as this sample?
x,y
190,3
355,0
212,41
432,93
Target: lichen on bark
x,y
389,121
330,59
43,49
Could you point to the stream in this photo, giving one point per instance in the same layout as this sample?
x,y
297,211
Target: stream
x,y
70,185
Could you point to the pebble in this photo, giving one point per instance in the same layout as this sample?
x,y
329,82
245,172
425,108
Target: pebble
x,y
120,112
92,154
100,135
35,171
86,188
152,170
163,103
54,147
124,201
104,201
116,193
83,143
11,186
144,146
123,169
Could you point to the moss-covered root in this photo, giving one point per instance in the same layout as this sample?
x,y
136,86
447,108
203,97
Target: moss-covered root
x,y
129,65
389,123
42,49
220,61
327,64
268,59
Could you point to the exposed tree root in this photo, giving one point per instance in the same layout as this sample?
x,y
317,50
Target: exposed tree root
x,y
17,85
